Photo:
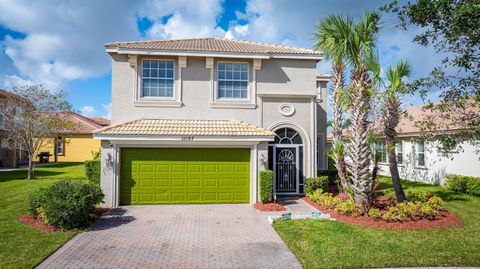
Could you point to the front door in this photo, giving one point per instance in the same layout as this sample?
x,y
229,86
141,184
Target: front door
x,y
286,169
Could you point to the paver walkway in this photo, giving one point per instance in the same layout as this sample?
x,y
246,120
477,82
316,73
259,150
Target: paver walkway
x,y
177,236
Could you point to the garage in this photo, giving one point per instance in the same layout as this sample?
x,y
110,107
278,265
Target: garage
x,y
184,175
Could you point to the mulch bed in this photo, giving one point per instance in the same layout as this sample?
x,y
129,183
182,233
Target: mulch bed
x,y
47,228
37,224
446,219
269,207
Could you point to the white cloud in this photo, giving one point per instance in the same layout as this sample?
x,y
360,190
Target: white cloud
x,y
9,81
186,20
88,111
64,39
91,111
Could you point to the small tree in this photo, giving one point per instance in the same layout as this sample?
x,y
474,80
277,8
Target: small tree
x,y
32,119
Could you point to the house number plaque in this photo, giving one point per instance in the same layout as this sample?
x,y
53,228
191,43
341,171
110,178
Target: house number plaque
x,y
187,138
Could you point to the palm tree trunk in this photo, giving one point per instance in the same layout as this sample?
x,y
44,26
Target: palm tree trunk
x,y
359,150
338,79
391,119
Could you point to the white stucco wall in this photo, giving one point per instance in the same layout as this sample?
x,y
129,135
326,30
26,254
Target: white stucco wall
x,y
466,162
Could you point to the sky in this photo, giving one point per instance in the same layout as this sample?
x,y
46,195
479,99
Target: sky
x,y
60,43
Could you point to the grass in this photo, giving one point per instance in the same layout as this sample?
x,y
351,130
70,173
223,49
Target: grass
x,y
328,244
20,245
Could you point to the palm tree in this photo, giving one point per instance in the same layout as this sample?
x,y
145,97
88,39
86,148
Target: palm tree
x,y
391,117
333,37
360,52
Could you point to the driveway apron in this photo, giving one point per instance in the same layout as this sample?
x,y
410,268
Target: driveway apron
x,y
177,236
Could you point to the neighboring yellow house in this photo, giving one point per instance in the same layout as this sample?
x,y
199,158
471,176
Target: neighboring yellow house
x,y
75,145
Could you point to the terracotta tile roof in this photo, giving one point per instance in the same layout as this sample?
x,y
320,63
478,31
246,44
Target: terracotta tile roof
x,y
212,45
82,124
101,121
157,127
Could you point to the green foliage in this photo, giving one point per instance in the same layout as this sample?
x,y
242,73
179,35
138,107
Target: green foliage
x,y
473,186
66,203
420,209
92,171
348,208
266,186
323,198
393,214
463,184
96,154
374,213
418,196
315,183
35,200
456,183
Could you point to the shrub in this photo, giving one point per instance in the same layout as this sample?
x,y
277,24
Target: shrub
x,y
436,203
473,186
428,211
266,186
456,183
92,171
323,198
315,183
374,213
418,196
394,214
347,208
66,203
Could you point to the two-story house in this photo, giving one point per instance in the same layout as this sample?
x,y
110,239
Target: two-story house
x,y
195,120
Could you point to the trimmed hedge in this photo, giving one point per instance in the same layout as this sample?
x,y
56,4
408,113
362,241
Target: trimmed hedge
x,y
92,171
315,183
266,186
66,203
463,184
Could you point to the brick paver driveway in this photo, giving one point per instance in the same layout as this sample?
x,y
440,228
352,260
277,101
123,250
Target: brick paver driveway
x,y
177,236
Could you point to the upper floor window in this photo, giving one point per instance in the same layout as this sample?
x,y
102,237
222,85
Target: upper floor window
x,y
399,152
232,80
421,153
157,78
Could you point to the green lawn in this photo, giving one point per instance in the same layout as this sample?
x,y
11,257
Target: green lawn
x,y
328,244
22,246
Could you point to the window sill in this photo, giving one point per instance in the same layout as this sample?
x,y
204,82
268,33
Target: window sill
x,y
163,103
421,167
233,105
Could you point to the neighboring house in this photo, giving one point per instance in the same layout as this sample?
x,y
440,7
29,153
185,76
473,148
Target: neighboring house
x,y
8,157
422,160
75,144
195,120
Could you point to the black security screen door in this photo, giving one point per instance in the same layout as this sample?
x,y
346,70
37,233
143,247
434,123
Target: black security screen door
x,y
285,159
286,169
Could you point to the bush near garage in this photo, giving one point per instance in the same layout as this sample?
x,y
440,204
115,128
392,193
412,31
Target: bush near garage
x,y
66,203
92,171
266,186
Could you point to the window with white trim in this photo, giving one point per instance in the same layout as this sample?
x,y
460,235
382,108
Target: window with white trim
x,y
421,153
60,144
381,150
232,80
157,78
399,151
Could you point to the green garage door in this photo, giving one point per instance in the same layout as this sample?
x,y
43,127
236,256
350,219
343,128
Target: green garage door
x,y
184,176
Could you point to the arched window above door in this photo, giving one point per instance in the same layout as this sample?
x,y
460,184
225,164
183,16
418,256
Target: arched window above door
x,y
287,136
